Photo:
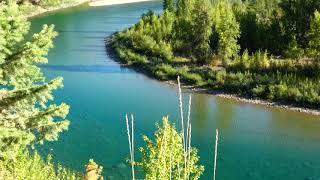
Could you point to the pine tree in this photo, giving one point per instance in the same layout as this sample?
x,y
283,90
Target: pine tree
x,y
26,115
184,7
314,36
168,5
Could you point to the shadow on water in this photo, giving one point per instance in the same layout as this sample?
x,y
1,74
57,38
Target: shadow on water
x,y
87,68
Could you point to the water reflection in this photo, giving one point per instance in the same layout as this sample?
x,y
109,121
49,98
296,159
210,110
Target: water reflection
x,y
294,124
200,110
224,114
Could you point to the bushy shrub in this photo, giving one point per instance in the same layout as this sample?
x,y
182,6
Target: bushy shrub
x,y
144,45
158,27
165,71
129,57
31,166
166,152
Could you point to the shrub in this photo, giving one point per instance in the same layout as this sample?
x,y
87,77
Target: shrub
x,y
31,166
166,151
165,71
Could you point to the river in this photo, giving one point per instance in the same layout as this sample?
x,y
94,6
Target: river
x,y
256,142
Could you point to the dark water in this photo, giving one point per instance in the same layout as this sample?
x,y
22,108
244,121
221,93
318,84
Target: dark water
x,y
256,142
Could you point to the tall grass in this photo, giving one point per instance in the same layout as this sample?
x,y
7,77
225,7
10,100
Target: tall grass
x,y
131,143
215,154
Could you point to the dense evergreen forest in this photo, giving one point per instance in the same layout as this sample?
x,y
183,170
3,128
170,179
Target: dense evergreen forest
x,y
268,49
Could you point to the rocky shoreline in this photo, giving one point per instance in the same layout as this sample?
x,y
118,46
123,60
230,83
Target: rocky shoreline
x,y
222,94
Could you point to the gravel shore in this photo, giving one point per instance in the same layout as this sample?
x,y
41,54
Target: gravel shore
x,y
221,94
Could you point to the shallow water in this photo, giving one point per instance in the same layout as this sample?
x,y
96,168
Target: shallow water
x,y
256,142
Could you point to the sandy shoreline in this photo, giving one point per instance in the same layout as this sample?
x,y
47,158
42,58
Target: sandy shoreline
x,y
113,2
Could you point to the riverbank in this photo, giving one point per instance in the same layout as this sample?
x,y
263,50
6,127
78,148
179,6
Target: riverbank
x,y
255,101
148,70
237,98
113,2
32,11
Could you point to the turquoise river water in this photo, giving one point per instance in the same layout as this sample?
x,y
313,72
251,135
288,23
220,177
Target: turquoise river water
x,y
256,142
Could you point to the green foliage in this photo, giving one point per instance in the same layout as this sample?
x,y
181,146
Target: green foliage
x,y
294,51
145,45
130,57
225,31
192,40
26,115
258,61
260,25
296,19
182,28
93,171
165,71
157,27
201,31
314,36
31,166
166,151
184,8
168,5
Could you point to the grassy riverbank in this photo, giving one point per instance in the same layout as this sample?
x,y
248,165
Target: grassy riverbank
x,y
194,80
210,52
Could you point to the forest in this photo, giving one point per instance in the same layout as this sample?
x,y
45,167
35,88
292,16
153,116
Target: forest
x,y
265,49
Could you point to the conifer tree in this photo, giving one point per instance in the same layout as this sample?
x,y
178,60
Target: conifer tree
x,y
168,5
26,115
